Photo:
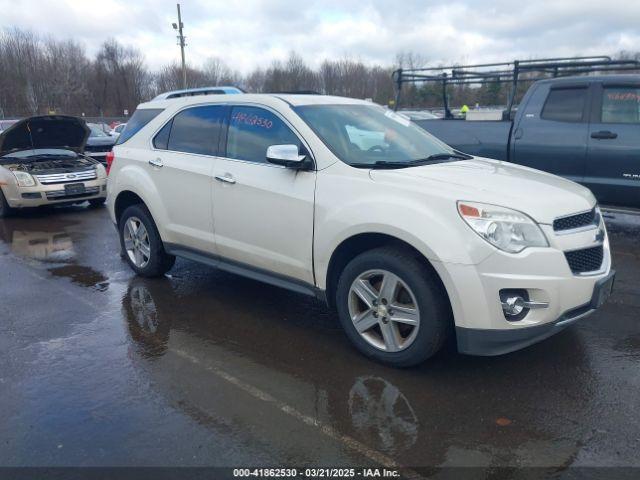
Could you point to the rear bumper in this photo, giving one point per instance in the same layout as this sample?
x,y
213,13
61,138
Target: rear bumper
x,y
489,342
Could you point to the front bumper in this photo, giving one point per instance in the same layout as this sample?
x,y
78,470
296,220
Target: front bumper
x,y
545,275
52,194
473,341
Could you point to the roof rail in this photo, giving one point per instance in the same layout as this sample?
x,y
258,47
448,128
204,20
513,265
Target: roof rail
x,y
508,72
192,92
295,92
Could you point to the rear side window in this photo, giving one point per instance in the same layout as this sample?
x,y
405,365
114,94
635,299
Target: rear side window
x,y
161,140
621,105
565,105
252,130
196,130
137,122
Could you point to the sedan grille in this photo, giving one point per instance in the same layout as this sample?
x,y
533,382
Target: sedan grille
x,y
576,221
66,177
585,260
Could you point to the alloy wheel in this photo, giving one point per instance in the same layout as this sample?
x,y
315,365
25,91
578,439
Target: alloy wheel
x,y
136,242
384,310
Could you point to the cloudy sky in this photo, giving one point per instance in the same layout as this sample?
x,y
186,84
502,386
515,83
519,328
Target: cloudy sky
x,y
253,33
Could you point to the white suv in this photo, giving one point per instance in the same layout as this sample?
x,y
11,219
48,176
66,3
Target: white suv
x,y
410,240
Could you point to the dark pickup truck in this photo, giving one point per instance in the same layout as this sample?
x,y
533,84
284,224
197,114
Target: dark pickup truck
x,y
584,128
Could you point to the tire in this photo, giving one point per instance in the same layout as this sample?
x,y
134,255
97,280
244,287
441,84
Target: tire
x,y
419,297
5,209
96,202
155,262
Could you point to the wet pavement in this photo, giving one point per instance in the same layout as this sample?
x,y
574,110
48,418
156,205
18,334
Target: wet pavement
x,y
101,368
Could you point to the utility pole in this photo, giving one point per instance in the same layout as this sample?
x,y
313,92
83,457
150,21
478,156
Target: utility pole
x,y
181,42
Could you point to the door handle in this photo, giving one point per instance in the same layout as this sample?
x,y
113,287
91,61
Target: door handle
x,y
225,178
604,135
156,162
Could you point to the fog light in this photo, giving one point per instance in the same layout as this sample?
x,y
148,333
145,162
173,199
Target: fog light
x,y
513,305
516,304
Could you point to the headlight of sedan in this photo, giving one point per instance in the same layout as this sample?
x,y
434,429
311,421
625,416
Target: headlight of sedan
x,y
23,178
506,229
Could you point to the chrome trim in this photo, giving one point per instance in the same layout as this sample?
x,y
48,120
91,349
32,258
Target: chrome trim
x,y
228,103
67,177
531,305
225,179
88,191
585,228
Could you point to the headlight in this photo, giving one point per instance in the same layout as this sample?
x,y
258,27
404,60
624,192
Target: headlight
x,y
506,229
24,179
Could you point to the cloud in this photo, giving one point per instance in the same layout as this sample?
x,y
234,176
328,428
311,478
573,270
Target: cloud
x,y
256,32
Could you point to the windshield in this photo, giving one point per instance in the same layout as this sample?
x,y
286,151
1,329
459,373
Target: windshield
x,y
96,130
370,135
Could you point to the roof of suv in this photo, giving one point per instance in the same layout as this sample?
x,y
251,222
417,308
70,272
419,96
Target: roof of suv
x,y
264,98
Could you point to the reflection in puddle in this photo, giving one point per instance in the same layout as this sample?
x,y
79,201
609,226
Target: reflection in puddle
x,y
379,409
85,276
43,246
150,334
51,247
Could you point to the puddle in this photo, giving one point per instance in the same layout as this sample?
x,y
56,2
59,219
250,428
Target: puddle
x,y
82,275
42,246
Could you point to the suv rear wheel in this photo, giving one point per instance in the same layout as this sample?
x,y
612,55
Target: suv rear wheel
x,y
392,308
141,243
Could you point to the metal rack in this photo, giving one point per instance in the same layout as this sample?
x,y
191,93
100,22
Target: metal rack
x,y
507,72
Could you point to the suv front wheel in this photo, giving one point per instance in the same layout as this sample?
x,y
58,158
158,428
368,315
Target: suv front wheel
x,y
141,243
392,307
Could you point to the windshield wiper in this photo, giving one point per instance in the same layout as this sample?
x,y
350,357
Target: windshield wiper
x,y
445,156
436,157
382,164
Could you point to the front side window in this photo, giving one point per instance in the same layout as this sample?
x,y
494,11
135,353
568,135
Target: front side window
x,y
137,122
369,135
565,105
197,129
252,130
621,105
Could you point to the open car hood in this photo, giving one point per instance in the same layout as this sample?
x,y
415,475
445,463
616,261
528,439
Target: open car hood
x,y
47,131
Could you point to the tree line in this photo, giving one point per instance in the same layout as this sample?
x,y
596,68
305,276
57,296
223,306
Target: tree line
x,y
40,75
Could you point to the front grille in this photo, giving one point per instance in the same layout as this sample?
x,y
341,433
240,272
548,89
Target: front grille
x,y
576,221
66,177
585,260
62,194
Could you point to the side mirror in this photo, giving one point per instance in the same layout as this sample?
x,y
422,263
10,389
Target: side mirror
x,y
287,156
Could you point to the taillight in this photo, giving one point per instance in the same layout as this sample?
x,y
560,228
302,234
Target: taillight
x,y
110,159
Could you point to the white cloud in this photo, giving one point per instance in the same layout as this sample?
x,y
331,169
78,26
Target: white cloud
x,y
256,32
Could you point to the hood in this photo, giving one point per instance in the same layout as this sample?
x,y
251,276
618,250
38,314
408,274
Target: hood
x,y
47,131
540,195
